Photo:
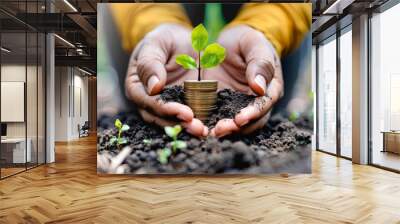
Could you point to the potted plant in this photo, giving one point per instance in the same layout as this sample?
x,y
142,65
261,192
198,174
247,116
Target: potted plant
x,y
201,95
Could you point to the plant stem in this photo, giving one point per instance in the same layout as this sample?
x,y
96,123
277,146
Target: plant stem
x,y
174,145
199,69
119,138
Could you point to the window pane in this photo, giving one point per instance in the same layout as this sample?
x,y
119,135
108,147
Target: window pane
x,y
327,96
385,84
345,94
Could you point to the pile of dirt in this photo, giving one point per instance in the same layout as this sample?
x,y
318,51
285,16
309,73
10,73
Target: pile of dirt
x,y
280,146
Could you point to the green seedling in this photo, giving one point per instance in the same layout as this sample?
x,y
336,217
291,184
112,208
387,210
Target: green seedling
x,y
173,133
163,155
121,128
294,116
209,55
147,141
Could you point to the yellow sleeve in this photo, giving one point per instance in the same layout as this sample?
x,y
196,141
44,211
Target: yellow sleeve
x,y
134,20
285,24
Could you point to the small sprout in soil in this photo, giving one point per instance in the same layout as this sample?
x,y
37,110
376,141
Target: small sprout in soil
x,y
173,133
147,141
209,55
121,128
294,116
163,155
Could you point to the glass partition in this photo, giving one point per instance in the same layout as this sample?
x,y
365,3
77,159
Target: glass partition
x,y
22,77
346,92
14,155
327,95
32,98
41,96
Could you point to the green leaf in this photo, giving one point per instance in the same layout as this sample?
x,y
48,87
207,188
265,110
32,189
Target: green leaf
x,y
173,131
213,55
122,141
113,140
170,131
294,116
125,127
177,129
147,141
199,37
186,61
179,144
163,155
118,124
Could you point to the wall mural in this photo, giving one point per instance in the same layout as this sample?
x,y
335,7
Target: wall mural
x,y
204,88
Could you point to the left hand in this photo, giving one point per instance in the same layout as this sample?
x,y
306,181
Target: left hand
x,y
252,66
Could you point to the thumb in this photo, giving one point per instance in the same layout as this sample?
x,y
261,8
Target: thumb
x,y
151,68
259,73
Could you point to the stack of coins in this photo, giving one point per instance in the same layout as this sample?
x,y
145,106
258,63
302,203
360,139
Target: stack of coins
x,y
201,96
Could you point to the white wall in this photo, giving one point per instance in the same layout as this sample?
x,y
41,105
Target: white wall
x,y
12,73
33,126
71,93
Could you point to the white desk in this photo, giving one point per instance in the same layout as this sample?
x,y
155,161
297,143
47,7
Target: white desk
x,y
18,150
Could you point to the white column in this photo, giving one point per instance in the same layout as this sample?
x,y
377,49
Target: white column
x,y
50,98
360,90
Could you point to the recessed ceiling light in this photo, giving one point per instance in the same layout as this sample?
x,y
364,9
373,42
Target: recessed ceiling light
x,y
337,7
70,5
5,50
65,41
84,71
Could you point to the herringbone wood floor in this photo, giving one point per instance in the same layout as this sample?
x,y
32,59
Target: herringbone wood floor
x,y
70,191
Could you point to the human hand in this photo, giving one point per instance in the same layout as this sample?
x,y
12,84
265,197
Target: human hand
x,y
251,66
152,66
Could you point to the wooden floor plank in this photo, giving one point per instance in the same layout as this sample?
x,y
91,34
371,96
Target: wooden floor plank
x,y
70,191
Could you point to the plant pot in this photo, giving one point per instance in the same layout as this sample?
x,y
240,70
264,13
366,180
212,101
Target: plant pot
x,y
201,97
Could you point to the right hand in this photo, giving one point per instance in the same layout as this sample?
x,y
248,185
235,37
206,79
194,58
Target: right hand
x,y
152,67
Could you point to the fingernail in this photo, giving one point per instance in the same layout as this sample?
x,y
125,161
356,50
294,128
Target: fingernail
x,y
260,80
153,80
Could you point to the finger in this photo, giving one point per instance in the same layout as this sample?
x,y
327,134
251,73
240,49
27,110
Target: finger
x,y
152,119
194,127
261,105
258,124
259,72
135,91
225,127
151,70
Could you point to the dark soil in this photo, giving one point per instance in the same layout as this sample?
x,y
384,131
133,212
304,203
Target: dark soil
x,y
229,102
281,146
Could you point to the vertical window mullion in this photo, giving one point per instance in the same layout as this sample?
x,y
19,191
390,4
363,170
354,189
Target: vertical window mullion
x,y
338,80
